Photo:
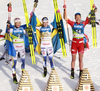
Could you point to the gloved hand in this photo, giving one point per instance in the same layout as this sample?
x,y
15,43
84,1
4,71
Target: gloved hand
x,y
8,23
35,4
36,1
64,6
94,6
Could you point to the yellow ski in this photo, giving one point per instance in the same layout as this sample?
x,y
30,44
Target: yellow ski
x,y
29,31
94,39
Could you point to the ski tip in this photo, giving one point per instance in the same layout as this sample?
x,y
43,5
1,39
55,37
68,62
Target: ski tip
x,y
43,75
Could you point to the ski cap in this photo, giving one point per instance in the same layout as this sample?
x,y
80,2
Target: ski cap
x,y
44,19
17,20
77,14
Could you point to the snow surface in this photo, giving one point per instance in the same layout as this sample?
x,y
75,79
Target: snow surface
x,y
45,8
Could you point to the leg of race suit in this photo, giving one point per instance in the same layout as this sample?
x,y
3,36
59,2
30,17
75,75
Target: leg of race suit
x,y
50,54
14,61
44,54
22,55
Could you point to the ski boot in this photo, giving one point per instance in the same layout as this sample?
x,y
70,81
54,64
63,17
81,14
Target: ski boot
x,y
23,71
45,72
80,73
72,73
15,79
2,58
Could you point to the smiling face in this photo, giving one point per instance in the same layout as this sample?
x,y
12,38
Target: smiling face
x,y
17,24
78,18
45,24
96,10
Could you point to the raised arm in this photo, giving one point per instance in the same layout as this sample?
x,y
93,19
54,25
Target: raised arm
x,y
35,5
86,21
9,16
9,10
64,14
33,10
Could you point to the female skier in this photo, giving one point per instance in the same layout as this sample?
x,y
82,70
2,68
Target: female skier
x,y
78,40
17,34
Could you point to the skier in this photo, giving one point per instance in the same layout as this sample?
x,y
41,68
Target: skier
x,y
78,41
18,43
46,36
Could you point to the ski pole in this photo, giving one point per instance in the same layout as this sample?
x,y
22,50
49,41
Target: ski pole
x,y
67,25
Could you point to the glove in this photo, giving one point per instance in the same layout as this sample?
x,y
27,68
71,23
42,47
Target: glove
x,y
9,4
31,13
64,6
8,22
94,6
36,1
35,5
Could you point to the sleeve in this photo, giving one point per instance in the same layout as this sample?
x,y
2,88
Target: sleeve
x,y
10,30
24,31
71,23
89,15
51,27
86,21
38,28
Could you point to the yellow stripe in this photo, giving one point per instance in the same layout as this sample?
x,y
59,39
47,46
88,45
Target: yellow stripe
x,y
7,37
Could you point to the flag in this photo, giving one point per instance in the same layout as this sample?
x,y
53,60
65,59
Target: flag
x,y
56,40
10,47
35,22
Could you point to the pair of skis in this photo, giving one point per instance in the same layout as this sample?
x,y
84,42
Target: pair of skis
x,y
93,24
59,27
29,30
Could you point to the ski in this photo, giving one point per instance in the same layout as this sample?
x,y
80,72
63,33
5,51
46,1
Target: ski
x,y
59,27
93,24
29,31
